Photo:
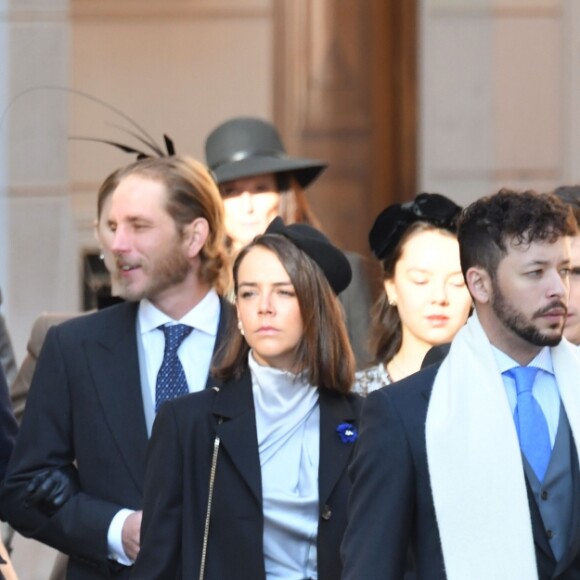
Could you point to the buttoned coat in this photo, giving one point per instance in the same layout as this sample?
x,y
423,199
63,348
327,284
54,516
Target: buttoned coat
x,y
391,505
84,414
176,488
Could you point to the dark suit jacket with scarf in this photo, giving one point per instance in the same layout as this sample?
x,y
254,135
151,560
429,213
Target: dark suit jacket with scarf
x,y
85,406
176,487
391,504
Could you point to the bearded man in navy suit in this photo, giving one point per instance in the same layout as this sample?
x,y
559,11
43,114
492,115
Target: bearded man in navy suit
x,y
93,400
472,464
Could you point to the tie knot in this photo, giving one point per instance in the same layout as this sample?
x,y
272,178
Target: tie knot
x,y
174,335
524,378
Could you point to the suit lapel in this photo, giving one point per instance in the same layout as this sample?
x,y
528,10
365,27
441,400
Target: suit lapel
x,y
334,454
114,365
223,331
235,404
574,542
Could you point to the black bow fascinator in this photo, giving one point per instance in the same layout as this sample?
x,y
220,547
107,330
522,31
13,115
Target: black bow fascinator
x,y
392,223
331,260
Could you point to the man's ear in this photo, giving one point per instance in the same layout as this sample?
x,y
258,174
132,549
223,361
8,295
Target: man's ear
x,y
479,284
195,235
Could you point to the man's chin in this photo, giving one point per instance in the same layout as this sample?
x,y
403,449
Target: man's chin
x,y
550,339
130,294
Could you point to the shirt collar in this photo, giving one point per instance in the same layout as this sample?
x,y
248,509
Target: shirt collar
x,y
203,317
543,360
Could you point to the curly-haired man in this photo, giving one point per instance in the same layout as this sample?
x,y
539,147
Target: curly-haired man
x,y
473,463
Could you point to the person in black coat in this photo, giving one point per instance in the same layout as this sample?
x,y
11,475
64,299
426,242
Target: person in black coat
x,y
249,481
445,464
92,400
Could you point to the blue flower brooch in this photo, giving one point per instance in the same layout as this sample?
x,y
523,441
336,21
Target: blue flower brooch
x,y
347,432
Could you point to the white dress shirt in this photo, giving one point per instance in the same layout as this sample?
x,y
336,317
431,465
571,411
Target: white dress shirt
x,y
195,354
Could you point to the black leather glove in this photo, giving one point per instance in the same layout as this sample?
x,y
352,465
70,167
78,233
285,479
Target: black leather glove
x,y
49,490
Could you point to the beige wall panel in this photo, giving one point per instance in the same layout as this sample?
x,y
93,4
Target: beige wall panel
x,y
457,100
35,8
167,8
36,119
181,77
497,7
38,268
528,5
499,95
571,91
527,98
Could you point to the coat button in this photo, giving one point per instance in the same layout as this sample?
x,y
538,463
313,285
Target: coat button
x,y
550,534
326,512
544,495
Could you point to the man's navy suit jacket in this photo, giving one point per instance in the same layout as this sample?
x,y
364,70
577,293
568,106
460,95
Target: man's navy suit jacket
x,y
391,504
85,414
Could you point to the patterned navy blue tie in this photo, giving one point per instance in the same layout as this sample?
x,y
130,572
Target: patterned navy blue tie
x,y
530,421
171,380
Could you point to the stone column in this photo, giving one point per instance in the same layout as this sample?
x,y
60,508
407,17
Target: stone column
x,y
38,249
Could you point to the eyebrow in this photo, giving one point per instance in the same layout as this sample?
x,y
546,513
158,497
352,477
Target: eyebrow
x,y
545,263
240,284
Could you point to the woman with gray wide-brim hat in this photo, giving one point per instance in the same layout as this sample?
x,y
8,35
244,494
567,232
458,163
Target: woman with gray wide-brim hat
x,y
258,181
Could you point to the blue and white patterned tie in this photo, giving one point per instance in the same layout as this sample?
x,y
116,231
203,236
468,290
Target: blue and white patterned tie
x,y
171,380
530,421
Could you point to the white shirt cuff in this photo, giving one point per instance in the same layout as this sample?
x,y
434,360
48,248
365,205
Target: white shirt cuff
x,y
115,538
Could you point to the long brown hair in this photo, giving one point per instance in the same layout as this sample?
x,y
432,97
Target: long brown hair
x,y
294,207
324,352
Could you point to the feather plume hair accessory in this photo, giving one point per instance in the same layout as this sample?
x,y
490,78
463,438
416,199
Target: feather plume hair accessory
x,y
150,147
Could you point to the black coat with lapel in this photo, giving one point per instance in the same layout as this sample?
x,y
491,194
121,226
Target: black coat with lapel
x,y
176,488
391,505
85,407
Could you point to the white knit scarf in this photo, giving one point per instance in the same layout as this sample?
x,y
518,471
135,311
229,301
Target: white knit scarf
x,y
475,464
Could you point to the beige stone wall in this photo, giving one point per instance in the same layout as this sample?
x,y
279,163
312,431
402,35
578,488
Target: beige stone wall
x,y
500,81
174,66
499,85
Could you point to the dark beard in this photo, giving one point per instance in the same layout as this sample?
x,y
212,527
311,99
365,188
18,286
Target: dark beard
x,y
515,321
169,271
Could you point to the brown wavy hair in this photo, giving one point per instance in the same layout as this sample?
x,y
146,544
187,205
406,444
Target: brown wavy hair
x,y
324,352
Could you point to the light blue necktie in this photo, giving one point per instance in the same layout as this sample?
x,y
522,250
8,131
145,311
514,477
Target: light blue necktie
x,y
171,380
530,421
